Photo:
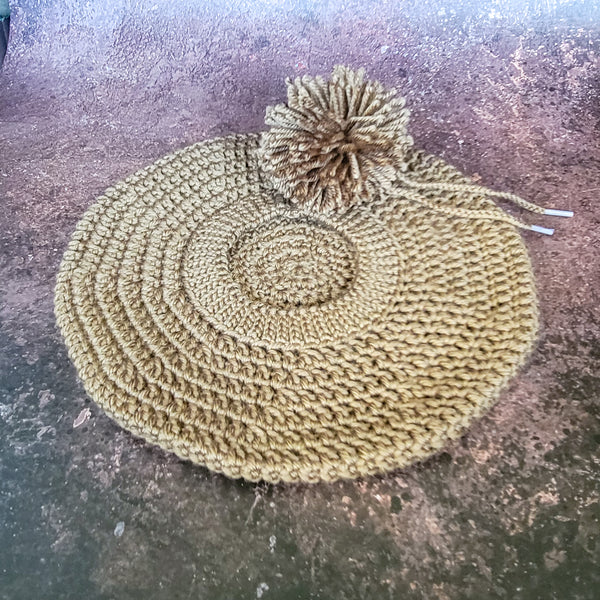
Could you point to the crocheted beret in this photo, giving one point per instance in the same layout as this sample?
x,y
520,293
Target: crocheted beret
x,y
321,301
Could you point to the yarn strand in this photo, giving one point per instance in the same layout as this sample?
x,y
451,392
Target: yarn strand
x,y
491,215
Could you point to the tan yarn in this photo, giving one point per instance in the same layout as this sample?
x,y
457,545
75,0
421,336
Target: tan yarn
x,y
207,315
336,142
319,302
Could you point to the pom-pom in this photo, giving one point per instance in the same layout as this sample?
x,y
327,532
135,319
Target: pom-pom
x,y
336,142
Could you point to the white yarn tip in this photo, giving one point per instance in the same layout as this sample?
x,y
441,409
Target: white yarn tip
x,y
558,213
543,230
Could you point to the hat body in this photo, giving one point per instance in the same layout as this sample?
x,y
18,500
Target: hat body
x,y
209,315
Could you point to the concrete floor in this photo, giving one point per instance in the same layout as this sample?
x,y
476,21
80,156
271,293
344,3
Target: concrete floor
x,y
90,92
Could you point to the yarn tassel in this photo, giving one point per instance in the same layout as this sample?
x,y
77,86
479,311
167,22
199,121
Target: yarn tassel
x,y
490,215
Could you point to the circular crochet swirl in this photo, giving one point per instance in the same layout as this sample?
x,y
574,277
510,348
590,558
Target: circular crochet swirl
x,y
207,315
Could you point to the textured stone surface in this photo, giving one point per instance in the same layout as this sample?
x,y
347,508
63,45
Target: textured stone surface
x,y
506,91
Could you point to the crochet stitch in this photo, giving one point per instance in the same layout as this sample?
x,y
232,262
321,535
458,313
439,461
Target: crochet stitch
x,y
211,315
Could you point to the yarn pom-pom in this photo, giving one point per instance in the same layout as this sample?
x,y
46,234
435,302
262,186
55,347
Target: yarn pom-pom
x,y
336,142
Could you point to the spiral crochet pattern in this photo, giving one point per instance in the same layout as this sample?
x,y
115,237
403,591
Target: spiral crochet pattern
x,y
212,316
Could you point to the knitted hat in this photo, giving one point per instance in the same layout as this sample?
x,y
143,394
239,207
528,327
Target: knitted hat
x,y
321,301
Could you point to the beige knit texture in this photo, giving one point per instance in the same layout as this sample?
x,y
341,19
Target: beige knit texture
x,y
207,315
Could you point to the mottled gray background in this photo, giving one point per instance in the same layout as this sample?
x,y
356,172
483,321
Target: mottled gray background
x,y
92,91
